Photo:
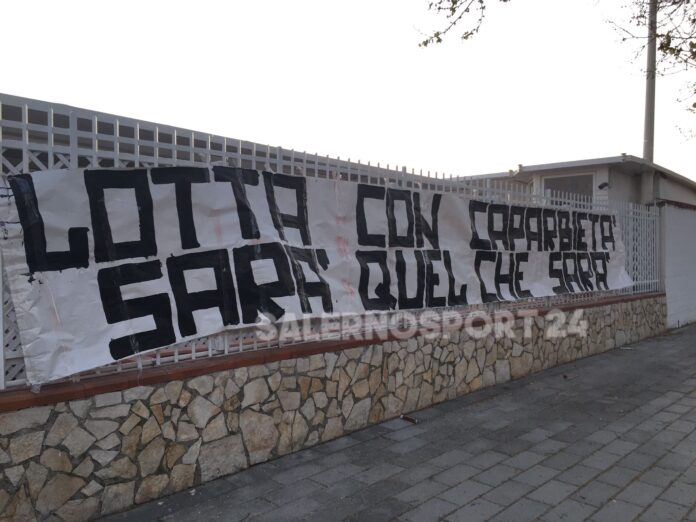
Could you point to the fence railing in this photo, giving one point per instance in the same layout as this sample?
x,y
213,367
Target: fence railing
x,y
37,136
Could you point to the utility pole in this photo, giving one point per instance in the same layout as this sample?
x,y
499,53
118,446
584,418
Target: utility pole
x,y
649,130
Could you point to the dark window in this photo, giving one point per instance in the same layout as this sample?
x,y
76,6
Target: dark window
x,y
61,120
581,184
38,117
105,127
11,113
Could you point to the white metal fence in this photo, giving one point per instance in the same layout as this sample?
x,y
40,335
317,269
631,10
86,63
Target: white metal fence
x,y
36,136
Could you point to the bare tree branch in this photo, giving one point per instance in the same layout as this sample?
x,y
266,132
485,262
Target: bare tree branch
x,y
676,29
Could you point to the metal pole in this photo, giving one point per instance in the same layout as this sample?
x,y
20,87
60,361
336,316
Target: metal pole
x,y
649,130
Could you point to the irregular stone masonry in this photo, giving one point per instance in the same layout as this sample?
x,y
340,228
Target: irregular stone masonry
x,y
82,459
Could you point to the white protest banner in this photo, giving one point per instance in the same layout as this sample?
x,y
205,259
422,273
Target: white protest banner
x,y
103,264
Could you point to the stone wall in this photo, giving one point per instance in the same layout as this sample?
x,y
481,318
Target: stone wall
x,y
85,458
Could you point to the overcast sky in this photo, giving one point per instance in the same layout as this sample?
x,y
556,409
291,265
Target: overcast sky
x,y
544,81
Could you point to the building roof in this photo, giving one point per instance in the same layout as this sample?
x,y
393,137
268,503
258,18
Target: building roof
x,y
625,163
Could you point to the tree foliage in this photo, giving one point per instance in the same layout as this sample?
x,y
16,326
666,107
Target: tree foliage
x,y
676,28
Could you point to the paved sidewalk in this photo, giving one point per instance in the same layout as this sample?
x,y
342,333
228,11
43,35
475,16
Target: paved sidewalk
x,y
608,438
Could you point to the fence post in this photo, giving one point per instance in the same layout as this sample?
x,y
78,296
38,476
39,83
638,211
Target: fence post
x,y
2,326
